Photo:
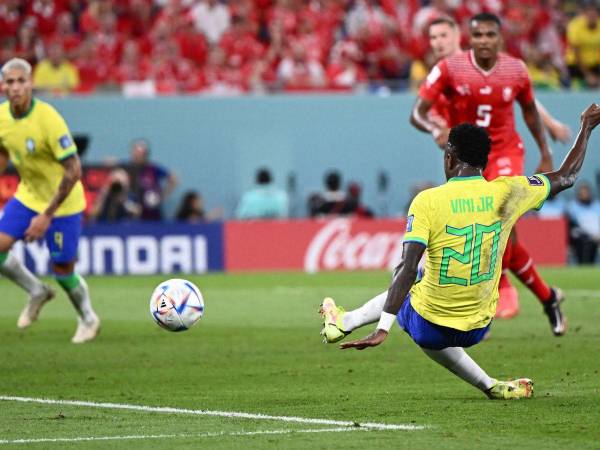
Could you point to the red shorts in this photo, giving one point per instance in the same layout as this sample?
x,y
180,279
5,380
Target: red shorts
x,y
504,166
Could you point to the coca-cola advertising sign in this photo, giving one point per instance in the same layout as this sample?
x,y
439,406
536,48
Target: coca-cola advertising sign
x,y
338,244
343,244
348,244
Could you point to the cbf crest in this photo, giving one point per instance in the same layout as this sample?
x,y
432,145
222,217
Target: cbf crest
x,y
30,145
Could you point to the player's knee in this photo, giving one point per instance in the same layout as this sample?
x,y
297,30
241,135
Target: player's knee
x,y
6,242
61,269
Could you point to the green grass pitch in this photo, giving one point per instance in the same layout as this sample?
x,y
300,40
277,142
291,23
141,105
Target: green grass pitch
x,y
257,350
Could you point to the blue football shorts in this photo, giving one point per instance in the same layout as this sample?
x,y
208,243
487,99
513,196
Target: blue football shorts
x,y
435,337
62,237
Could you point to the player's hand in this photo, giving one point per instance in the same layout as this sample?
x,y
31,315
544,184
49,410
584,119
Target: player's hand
x,y
440,135
37,227
559,132
372,340
591,116
545,165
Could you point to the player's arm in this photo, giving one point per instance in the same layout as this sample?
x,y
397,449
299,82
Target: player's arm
x,y
401,285
534,123
565,176
419,118
558,131
429,92
72,175
40,223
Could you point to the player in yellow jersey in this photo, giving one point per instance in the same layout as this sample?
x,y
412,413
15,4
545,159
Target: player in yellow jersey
x,y
464,225
49,200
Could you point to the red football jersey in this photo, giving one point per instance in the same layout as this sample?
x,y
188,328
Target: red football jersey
x,y
483,98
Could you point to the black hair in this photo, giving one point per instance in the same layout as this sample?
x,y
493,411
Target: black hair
x,y
471,144
333,180
486,17
442,20
263,176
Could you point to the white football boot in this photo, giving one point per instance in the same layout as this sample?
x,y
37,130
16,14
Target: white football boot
x,y
87,330
33,307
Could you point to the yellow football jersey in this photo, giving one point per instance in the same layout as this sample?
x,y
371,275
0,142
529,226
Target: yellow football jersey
x,y
465,225
36,144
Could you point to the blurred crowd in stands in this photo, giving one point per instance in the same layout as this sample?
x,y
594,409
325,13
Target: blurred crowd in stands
x,y
149,47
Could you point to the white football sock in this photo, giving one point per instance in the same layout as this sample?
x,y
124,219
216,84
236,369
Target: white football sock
x,y
16,271
80,298
456,360
368,313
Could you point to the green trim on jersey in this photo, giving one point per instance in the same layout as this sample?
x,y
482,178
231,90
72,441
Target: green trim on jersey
x,y
548,187
26,113
418,240
68,155
474,177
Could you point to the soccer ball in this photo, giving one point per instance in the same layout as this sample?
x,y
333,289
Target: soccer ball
x,y
176,304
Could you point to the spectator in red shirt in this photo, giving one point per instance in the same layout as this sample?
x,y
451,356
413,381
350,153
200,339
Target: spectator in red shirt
x,y
172,73
29,46
192,43
65,34
45,14
140,18
10,18
133,66
108,42
285,14
93,71
174,14
224,75
89,21
315,46
344,70
240,44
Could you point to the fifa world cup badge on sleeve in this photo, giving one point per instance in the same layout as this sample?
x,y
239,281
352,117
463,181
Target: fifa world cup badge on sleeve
x,y
409,223
535,181
65,141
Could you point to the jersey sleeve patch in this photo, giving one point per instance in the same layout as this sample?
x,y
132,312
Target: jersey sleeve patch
x,y
65,141
535,181
409,223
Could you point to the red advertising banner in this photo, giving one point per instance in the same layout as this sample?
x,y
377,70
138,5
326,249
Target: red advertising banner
x,y
347,244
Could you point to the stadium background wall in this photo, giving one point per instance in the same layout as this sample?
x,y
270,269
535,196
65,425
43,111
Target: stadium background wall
x,y
216,144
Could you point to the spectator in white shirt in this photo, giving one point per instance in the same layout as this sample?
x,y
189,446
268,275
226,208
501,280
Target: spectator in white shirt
x,y
212,18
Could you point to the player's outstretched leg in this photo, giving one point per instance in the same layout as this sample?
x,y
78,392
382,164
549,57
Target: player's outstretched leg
x,y
88,322
457,361
39,293
522,265
338,323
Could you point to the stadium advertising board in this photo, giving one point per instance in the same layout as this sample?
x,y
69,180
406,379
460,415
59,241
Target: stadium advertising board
x,y
314,245
139,249
345,244
308,245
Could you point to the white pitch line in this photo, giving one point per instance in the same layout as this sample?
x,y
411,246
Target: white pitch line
x,y
203,412
179,436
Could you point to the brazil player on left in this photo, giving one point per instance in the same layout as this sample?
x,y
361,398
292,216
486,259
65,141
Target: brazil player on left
x,y
49,200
